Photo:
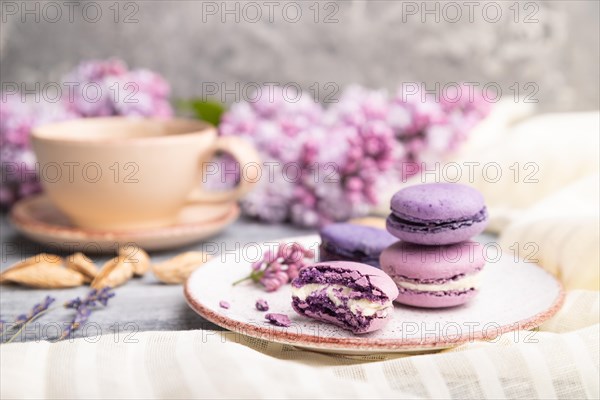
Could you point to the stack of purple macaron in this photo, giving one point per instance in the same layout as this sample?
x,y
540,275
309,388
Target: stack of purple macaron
x,y
435,264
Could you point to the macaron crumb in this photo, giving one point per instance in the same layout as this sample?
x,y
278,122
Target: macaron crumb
x,y
278,319
224,304
262,305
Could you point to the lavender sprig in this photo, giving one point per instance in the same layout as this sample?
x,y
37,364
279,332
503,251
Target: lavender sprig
x,y
83,308
35,311
81,316
102,296
23,319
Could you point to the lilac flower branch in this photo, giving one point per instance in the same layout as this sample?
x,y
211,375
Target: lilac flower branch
x,y
279,267
328,163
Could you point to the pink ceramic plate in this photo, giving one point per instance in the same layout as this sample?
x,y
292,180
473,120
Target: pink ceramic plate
x,y
38,219
514,296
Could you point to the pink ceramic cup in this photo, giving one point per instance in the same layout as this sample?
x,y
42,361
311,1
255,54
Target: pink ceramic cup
x,y
120,173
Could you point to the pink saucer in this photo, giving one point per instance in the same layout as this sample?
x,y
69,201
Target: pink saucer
x,y
513,296
38,219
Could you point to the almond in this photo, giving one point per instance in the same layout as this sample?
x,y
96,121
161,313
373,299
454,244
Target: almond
x,y
179,268
43,271
82,264
113,273
137,257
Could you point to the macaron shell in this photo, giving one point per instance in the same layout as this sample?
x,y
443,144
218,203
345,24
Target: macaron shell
x,y
378,323
437,236
429,300
375,324
437,202
413,261
377,277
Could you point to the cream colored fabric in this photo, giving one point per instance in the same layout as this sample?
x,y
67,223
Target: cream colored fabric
x,y
562,234
516,166
505,114
558,361
551,150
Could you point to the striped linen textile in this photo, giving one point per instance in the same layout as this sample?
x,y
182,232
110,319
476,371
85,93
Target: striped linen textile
x,y
560,360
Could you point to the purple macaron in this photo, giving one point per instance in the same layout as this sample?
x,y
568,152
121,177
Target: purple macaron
x,y
437,214
350,242
353,296
434,276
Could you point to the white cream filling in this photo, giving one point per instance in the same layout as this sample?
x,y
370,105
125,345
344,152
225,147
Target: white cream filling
x,y
466,283
366,307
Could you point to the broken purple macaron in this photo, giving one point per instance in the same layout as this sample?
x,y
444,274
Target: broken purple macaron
x,y
353,296
278,319
224,304
262,305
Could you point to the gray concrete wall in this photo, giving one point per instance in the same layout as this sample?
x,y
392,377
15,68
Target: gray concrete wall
x,y
553,44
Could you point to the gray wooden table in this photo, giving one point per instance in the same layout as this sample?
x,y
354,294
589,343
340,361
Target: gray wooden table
x,y
142,304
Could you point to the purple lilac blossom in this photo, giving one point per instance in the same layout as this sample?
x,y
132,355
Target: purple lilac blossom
x,y
279,267
327,165
97,88
108,87
19,177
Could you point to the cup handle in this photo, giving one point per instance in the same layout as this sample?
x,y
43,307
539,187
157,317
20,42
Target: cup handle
x,y
244,153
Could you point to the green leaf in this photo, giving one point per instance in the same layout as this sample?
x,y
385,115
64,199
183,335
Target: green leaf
x,y
206,110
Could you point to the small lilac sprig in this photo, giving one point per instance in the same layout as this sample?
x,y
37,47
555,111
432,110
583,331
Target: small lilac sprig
x,y
83,308
279,267
23,319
